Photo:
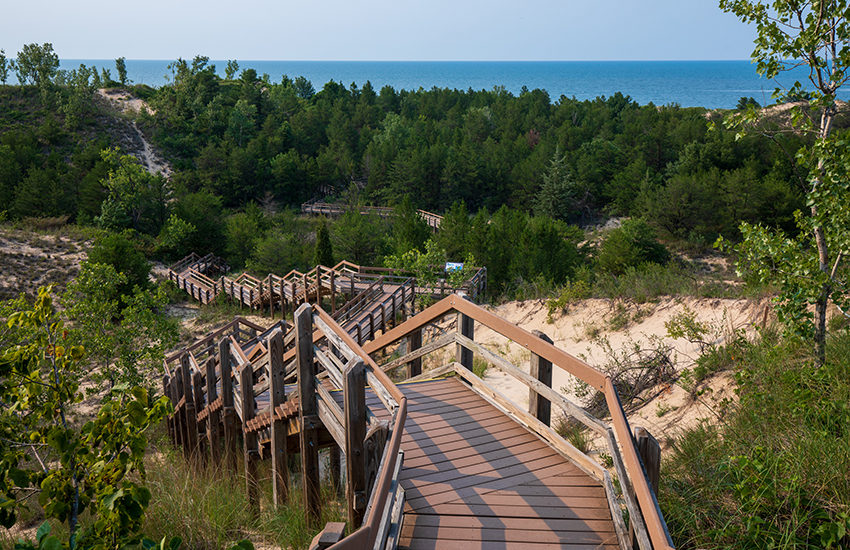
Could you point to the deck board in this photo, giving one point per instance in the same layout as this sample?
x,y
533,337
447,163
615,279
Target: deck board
x,y
473,478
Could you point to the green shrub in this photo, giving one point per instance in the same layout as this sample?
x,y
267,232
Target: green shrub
x,y
630,245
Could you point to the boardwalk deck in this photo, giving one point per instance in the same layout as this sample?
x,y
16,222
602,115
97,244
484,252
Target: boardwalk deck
x,y
474,478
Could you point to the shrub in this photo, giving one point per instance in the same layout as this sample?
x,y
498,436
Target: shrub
x,y
630,245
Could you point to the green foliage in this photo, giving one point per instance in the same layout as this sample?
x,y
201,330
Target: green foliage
x,y
558,197
324,250
774,473
569,293
121,69
174,239
815,35
409,230
36,65
134,193
88,467
4,67
241,232
630,245
126,336
360,239
118,251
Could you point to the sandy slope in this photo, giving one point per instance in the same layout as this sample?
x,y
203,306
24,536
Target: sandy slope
x,y
581,330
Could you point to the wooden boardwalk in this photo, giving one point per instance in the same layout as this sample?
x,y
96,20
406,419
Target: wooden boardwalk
x,y
474,478
430,463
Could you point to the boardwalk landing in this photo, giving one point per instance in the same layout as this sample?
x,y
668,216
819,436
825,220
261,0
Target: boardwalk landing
x,y
474,478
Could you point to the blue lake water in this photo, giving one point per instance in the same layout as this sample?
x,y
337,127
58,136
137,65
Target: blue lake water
x,y
711,84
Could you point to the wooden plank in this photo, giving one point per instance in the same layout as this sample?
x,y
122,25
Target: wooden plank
x,y
495,535
535,426
413,520
277,394
355,435
309,409
418,352
197,388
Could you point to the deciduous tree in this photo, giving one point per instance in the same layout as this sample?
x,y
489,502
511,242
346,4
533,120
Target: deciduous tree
x,y
814,35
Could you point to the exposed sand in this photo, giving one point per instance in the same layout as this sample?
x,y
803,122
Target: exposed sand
x,y
574,331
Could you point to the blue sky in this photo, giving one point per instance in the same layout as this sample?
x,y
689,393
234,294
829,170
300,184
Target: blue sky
x,y
380,30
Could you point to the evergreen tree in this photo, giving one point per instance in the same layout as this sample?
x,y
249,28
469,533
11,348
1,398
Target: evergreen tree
x,y
324,251
556,198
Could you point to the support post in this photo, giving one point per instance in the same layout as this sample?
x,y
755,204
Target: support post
x,y
214,418
189,407
231,446
308,413
197,387
414,368
169,421
333,291
249,438
541,369
335,459
277,395
354,390
175,391
466,326
319,285
650,455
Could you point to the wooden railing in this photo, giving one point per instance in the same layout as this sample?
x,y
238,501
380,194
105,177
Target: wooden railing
x,y
235,380
318,208
645,516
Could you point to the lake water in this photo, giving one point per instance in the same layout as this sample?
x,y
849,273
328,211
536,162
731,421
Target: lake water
x,y
711,84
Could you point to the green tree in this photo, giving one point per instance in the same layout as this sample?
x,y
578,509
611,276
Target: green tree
x,y
241,233
630,245
133,193
241,125
121,69
4,67
410,231
557,194
324,250
813,34
118,251
36,65
231,69
96,468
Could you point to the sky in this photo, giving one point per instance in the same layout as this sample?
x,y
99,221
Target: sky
x,y
379,30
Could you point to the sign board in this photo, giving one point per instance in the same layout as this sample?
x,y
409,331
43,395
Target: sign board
x,y
453,266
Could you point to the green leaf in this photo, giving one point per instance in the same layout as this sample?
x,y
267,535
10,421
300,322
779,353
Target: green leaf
x,y
43,530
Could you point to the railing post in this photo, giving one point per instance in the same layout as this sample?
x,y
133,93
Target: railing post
x,y
277,396
308,413
333,291
541,369
354,390
260,299
198,389
306,293
282,299
649,452
249,437
465,326
319,285
189,407
214,418
175,389
414,368
231,446
168,421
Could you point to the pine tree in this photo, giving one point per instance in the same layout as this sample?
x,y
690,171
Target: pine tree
x,y
324,255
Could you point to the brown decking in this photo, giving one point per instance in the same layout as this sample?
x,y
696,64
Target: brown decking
x,y
476,479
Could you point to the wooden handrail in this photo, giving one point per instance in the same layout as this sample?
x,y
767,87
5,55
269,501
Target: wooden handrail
x,y
655,525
